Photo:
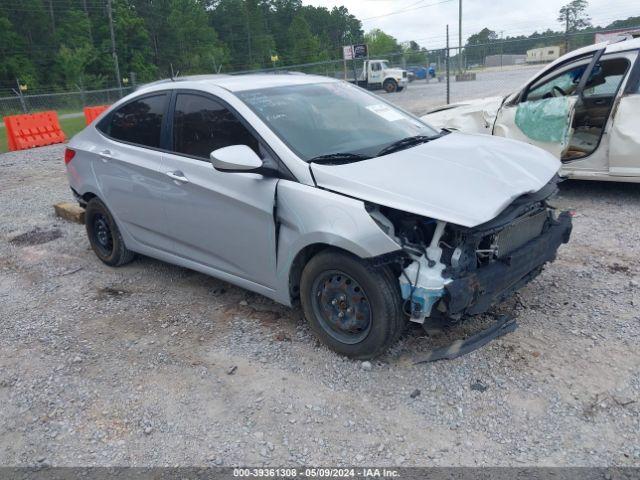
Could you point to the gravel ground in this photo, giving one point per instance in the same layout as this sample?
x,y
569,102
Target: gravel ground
x,y
420,96
151,364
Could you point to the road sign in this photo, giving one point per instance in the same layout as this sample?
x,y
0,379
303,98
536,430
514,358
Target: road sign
x,y
360,51
347,52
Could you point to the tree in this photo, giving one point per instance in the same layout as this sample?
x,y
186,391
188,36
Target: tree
x,y
629,22
71,64
574,15
413,53
76,53
192,45
479,46
15,64
304,46
380,43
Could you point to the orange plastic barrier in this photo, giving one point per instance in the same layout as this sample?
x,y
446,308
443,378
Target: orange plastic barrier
x,y
91,113
34,130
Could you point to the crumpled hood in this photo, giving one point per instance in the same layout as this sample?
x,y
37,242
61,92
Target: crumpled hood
x,y
459,178
473,116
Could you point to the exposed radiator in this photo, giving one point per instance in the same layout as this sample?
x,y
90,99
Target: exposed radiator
x,y
520,232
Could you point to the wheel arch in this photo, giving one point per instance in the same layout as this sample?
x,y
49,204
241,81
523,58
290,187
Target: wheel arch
x,y
301,259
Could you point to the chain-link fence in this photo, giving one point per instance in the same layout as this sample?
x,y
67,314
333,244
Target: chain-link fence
x,y
474,74
65,102
437,76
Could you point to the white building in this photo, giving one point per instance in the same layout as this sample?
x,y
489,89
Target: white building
x,y
543,54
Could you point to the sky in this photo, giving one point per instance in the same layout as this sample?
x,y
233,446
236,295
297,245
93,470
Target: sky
x,y
425,20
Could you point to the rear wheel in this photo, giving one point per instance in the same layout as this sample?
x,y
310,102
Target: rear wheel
x,y
104,236
354,308
390,86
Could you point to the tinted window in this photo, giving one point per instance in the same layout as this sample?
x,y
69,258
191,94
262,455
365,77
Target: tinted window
x,y
202,125
138,122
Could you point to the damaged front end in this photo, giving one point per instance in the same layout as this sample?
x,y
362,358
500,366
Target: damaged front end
x,y
447,270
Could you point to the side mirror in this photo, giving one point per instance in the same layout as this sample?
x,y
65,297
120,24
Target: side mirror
x,y
236,158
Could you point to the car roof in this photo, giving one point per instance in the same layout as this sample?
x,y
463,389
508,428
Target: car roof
x,y
238,83
609,46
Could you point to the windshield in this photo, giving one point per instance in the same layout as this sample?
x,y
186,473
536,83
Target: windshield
x,y
327,118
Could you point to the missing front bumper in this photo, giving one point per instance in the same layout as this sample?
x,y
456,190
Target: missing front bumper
x,y
476,292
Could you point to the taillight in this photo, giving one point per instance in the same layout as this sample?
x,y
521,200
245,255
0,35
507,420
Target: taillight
x,y
68,155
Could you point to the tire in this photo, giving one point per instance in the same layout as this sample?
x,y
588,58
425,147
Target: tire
x,y
104,235
369,299
390,86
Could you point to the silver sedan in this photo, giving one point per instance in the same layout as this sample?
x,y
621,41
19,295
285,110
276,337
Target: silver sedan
x,y
309,189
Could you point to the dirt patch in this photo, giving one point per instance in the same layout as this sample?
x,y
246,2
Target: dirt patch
x,y
37,236
112,292
618,268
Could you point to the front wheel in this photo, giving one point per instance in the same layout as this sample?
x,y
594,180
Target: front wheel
x,y
390,86
354,308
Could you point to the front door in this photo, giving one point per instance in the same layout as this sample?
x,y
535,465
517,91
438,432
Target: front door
x,y
375,73
542,114
218,219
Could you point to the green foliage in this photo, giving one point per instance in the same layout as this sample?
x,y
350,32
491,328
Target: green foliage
x,y
381,44
414,54
629,22
304,45
65,44
574,15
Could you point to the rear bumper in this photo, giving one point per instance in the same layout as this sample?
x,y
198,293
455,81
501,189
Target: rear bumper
x,y
477,292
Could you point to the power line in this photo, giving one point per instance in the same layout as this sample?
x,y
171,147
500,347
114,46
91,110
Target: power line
x,y
397,12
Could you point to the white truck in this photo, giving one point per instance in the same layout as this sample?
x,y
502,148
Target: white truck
x,y
377,74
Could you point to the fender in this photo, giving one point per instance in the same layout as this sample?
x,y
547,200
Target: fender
x,y
309,215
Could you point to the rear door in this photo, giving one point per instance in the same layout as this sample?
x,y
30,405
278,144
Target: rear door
x,y
624,142
218,219
542,114
128,168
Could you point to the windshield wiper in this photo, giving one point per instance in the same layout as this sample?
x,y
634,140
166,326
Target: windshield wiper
x,y
406,143
339,158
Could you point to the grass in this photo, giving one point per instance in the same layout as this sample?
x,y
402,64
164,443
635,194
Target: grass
x,y
70,126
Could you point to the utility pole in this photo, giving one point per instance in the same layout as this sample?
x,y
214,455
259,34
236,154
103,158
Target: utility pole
x,y
446,59
86,12
566,34
113,46
53,21
501,47
460,36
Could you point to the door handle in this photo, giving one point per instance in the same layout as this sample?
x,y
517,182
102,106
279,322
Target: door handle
x,y
105,155
178,176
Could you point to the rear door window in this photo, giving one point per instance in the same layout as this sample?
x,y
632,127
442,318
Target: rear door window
x,y
138,122
202,125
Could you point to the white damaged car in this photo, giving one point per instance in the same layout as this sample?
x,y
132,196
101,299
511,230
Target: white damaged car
x,y
584,108
309,189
